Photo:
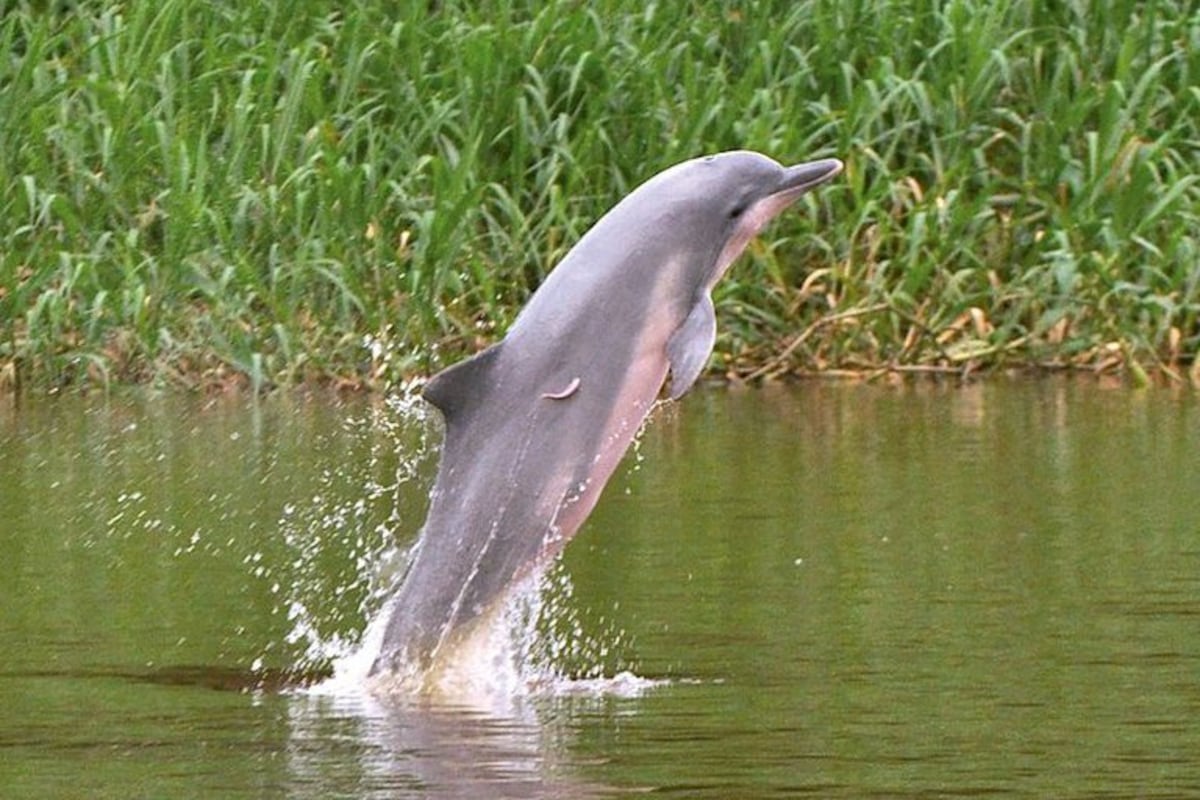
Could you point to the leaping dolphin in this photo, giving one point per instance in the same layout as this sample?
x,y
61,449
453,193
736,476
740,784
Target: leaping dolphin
x,y
536,424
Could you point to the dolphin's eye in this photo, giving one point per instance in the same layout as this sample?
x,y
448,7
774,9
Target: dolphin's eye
x,y
737,211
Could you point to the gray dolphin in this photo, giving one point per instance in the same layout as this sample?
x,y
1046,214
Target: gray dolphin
x,y
536,424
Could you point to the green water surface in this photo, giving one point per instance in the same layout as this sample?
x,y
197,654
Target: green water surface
x,y
849,591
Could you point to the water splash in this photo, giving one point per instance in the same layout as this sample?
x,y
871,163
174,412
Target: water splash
x,y
537,642
369,523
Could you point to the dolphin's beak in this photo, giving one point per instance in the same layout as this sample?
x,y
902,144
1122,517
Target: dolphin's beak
x,y
800,178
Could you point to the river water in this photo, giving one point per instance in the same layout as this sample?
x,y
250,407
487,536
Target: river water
x,y
819,590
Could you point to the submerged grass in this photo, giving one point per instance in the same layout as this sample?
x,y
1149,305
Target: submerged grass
x,y
263,194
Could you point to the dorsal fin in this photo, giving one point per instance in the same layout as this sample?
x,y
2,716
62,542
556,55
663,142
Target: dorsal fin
x,y
453,389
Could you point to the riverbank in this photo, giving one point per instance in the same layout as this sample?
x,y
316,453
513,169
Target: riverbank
x,y
229,195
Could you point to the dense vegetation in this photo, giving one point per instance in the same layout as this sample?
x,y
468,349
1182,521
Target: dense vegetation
x,y
221,193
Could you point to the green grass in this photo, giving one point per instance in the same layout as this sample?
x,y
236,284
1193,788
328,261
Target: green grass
x,y
201,194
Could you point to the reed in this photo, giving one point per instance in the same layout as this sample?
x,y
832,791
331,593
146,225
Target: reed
x,y
267,194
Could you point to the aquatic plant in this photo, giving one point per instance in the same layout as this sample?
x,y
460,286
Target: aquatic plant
x,y
222,193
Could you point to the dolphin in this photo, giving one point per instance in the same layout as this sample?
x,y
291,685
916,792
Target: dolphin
x,y
536,424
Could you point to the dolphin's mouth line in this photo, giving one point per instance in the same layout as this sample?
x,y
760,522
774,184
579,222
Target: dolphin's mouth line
x,y
802,177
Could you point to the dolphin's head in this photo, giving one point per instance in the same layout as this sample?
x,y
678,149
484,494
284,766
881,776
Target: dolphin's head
x,y
721,201
671,238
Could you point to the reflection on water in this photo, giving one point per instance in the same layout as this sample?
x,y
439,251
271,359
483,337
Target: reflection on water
x,y
850,591
412,750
